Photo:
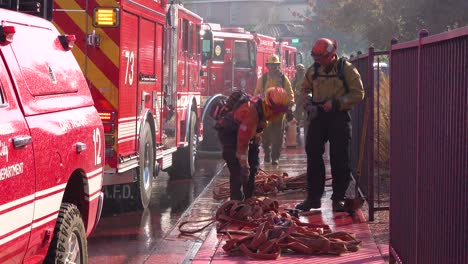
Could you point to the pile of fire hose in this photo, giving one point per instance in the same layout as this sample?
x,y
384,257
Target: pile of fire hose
x,y
263,232
265,184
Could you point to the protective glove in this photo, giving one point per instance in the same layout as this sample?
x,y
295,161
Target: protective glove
x,y
307,102
289,115
336,105
310,108
257,139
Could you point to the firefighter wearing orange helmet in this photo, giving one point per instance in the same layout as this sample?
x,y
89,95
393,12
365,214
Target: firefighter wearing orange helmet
x,y
330,89
240,138
272,138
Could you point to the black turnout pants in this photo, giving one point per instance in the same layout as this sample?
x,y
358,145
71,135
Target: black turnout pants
x,y
228,140
334,127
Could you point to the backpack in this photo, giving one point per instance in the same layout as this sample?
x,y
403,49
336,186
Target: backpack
x,y
223,111
339,72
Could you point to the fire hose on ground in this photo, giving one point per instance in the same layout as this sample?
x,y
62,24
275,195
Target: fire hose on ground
x,y
265,184
261,231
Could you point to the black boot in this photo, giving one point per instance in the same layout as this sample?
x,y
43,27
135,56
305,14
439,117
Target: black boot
x,y
339,206
307,204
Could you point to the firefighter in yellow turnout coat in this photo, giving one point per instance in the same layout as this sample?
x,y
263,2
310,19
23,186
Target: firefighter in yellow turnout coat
x,y
335,86
296,85
272,138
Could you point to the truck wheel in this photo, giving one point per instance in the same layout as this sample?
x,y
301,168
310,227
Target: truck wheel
x,y
193,143
69,243
145,170
184,159
210,135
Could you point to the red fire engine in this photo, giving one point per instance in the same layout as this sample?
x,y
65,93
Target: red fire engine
x,y
289,57
141,59
233,58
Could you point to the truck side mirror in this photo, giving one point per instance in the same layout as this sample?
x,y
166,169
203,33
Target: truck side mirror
x,y
207,45
298,58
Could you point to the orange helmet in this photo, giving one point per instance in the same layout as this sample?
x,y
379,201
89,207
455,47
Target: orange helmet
x,y
277,99
324,51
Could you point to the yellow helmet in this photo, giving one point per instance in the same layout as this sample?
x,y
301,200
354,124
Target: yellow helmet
x,y
273,59
277,99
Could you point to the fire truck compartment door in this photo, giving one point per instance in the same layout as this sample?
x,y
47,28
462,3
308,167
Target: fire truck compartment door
x,y
229,67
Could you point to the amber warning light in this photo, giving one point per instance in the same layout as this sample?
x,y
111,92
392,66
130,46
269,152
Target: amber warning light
x,y
107,116
6,34
106,17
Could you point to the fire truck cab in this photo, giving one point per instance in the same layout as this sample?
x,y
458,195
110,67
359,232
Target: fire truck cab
x,y
51,145
233,59
141,59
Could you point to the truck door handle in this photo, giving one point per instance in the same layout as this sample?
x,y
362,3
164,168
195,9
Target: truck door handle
x,y
21,141
80,146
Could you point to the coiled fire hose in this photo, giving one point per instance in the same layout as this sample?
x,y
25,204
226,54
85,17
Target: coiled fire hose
x,y
263,232
265,184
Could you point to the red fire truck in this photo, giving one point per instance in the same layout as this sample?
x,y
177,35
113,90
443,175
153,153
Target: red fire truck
x,y
289,57
141,60
233,58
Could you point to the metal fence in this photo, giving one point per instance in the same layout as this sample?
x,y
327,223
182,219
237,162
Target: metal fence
x,y
429,149
365,130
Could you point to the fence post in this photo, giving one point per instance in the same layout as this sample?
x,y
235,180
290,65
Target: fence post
x,y
393,254
422,34
370,132
359,171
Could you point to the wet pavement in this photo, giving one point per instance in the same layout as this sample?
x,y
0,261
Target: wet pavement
x,y
128,235
293,162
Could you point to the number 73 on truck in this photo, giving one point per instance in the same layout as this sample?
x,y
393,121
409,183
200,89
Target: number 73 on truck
x,y
141,59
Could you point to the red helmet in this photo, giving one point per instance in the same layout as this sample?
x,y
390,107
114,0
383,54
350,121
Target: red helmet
x,y
324,51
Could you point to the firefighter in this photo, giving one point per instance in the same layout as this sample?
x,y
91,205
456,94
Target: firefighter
x,y
272,137
332,98
296,85
240,138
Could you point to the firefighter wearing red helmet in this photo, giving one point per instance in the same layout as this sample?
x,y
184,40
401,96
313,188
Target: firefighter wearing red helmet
x,y
240,138
272,138
330,89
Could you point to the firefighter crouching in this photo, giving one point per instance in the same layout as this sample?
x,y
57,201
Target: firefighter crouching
x,y
335,87
272,137
239,134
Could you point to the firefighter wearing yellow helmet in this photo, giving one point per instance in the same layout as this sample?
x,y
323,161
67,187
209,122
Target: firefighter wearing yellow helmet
x,y
272,138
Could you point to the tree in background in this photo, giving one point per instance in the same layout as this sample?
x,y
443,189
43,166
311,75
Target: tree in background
x,y
378,21
314,29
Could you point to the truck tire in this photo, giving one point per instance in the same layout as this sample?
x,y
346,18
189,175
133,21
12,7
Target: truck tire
x,y
144,184
210,135
69,244
184,159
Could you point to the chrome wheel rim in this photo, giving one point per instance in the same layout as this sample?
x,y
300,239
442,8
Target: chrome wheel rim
x,y
73,256
146,167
